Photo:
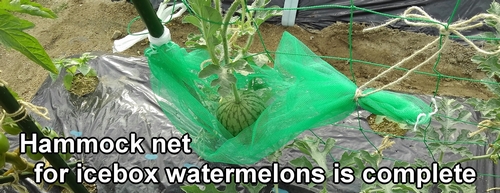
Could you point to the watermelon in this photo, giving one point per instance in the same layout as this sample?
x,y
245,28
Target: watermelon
x,y
237,115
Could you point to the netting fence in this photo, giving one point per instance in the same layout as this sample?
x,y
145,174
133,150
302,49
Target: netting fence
x,y
307,94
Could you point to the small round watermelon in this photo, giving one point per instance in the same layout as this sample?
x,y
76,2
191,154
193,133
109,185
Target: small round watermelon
x,y
238,115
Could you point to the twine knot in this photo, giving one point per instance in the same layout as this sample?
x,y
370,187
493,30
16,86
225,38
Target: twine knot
x,y
24,106
444,30
358,94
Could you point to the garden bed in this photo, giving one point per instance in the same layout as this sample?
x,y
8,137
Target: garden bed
x,y
124,103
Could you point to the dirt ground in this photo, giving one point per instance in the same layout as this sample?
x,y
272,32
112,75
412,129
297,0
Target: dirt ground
x,y
86,26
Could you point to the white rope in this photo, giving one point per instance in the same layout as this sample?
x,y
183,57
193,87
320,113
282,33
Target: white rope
x,y
421,115
454,28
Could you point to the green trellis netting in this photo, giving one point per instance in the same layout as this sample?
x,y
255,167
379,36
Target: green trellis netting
x,y
307,93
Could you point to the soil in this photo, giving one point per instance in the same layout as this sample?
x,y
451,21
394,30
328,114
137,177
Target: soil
x,y
83,85
89,26
386,127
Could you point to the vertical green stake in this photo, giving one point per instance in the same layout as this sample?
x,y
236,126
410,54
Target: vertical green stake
x,y
148,15
27,125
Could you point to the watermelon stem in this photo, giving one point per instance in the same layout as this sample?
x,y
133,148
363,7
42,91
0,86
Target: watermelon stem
x,y
237,98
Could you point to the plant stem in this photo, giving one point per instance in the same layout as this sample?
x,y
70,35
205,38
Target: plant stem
x,y
237,98
243,10
248,44
19,164
276,189
441,157
225,24
487,156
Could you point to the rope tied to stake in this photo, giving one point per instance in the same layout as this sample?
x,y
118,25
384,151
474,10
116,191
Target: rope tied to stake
x,y
24,106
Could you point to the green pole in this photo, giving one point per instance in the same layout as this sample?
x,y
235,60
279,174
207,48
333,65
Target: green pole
x,y
148,15
27,125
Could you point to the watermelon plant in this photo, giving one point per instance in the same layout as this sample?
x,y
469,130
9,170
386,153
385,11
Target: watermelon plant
x,y
80,78
238,108
490,64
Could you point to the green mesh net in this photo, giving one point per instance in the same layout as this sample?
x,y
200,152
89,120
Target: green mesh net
x,y
306,93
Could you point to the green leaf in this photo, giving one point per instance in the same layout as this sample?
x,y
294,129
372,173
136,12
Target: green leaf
x,y
85,58
209,70
450,139
198,5
457,188
72,69
494,8
84,69
347,159
59,63
490,66
372,159
490,37
193,189
448,108
478,59
28,7
206,18
262,16
275,156
53,76
192,20
214,20
260,60
494,88
310,146
410,188
193,44
301,162
195,40
215,82
12,36
210,188
254,189
67,81
488,108
92,72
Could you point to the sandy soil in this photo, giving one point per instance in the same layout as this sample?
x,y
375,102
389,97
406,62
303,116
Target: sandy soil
x,y
85,26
